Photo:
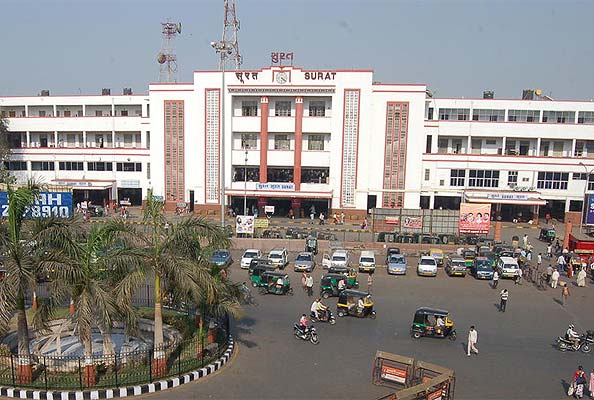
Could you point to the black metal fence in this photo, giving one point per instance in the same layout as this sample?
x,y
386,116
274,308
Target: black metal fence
x,y
120,369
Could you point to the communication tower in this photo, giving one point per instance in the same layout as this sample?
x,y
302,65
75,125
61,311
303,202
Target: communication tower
x,y
167,58
230,41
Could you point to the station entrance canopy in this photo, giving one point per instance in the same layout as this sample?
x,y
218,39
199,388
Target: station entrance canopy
x,y
528,198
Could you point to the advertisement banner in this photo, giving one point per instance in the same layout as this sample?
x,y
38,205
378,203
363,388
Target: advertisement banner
x,y
393,374
590,210
393,220
412,222
261,223
474,218
58,204
244,224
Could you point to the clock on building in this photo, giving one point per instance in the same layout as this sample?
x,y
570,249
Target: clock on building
x,y
282,77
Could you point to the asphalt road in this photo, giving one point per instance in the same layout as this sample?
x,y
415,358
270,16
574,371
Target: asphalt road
x,y
516,360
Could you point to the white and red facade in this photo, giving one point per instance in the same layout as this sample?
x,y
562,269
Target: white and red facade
x,y
294,138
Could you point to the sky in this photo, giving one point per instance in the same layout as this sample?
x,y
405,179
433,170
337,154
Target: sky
x,y
457,48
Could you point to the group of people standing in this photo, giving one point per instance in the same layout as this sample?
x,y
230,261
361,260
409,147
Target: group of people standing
x,y
578,383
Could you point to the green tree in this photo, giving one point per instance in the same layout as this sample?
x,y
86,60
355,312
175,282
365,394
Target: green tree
x,y
21,264
5,152
173,255
86,265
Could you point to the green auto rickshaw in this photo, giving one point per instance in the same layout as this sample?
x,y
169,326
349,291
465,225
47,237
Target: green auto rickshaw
x,y
275,283
311,244
432,322
356,303
329,285
352,282
259,269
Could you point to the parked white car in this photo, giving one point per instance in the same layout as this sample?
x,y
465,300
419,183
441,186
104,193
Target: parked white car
x,y
279,257
508,267
427,266
367,261
247,257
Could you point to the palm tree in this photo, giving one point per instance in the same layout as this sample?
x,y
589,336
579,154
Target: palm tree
x,y
86,265
173,255
21,271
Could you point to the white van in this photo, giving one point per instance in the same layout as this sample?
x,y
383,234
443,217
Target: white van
x,y
279,257
508,267
367,261
340,262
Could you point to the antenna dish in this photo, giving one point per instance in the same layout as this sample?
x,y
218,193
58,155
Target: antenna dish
x,y
178,27
161,58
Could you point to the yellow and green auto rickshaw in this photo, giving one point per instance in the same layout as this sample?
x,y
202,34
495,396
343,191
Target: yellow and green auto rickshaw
x,y
352,282
432,322
256,276
356,303
275,283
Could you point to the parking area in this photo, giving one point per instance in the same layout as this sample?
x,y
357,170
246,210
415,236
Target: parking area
x,y
517,359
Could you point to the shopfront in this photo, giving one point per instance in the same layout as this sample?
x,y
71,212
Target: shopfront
x,y
94,191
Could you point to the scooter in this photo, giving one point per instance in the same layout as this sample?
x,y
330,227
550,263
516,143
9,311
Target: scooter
x,y
328,317
309,334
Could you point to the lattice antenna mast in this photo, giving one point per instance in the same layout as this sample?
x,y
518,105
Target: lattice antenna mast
x,y
230,39
167,58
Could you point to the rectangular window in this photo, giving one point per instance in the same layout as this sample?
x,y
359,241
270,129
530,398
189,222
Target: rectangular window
x,y
99,166
523,115
282,109
129,167
315,175
430,113
239,174
280,174
41,113
148,170
586,117
427,174
317,108
483,178
70,165
476,145
124,113
559,117
512,178
457,177
454,114
479,114
442,146
16,165
282,142
249,141
148,139
67,113
428,144
249,108
315,142
98,113
579,176
42,165
552,180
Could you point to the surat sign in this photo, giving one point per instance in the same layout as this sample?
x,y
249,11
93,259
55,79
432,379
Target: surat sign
x,y
48,204
289,186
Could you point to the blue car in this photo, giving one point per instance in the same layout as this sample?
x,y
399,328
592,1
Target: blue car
x,y
221,258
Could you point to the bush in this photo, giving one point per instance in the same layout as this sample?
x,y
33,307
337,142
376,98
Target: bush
x,y
4,350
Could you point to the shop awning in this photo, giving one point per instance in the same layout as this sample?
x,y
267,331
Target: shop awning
x,y
79,184
282,194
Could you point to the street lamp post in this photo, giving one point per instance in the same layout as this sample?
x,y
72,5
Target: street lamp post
x,y
223,49
245,181
585,199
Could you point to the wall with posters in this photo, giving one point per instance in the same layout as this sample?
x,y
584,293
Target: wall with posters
x,y
474,218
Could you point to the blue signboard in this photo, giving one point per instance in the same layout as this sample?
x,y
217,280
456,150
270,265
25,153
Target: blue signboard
x,y
590,210
58,204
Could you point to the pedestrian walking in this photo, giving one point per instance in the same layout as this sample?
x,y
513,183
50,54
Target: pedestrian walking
x,y
578,382
549,273
591,385
529,256
304,281
342,218
561,262
525,240
312,214
564,294
504,295
549,251
555,279
369,281
581,278
495,279
518,279
321,218
309,284
472,341
538,261
569,271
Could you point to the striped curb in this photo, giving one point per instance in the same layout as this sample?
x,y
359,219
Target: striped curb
x,y
124,391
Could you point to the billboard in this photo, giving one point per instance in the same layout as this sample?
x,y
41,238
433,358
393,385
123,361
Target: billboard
x,y
57,204
412,222
244,224
474,218
590,210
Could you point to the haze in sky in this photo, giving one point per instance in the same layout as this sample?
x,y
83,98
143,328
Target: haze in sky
x,y
458,48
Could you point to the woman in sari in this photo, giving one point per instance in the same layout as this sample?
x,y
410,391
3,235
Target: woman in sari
x,y
581,278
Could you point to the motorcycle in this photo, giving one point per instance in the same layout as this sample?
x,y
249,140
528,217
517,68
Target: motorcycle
x,y
584,343
327,317
309,334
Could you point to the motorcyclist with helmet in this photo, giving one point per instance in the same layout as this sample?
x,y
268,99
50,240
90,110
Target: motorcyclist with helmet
x,y
572,335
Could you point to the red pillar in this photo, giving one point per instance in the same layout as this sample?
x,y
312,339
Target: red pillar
x,y
296,206
263,139
298,142
262,201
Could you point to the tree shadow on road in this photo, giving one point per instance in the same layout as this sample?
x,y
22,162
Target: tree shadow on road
x,y
242,329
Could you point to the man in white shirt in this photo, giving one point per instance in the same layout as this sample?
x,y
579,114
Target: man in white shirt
x,y
554,279
472,340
